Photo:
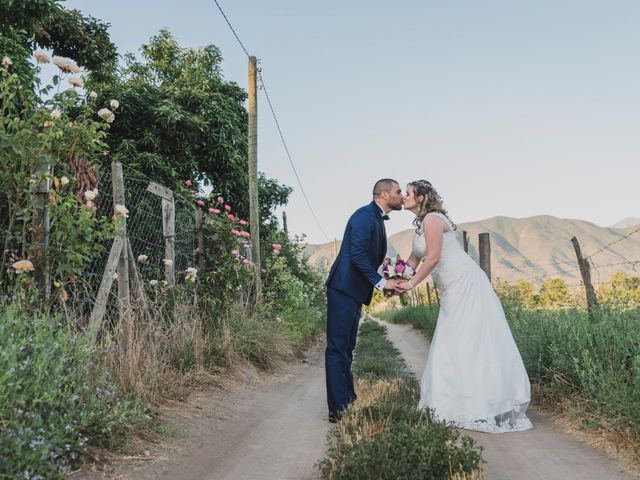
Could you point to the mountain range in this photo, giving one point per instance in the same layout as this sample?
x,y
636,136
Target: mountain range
x,y
532,248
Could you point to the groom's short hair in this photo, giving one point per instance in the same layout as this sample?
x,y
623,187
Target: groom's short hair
x,y
383,185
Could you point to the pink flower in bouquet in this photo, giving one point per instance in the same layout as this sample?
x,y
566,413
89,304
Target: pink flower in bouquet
x,y
227,207
220,199
214,210
200,202
243,222
231,216
399,268
235,232
188,183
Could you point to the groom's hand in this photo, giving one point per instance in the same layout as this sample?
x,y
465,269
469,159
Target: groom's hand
x,y
391,287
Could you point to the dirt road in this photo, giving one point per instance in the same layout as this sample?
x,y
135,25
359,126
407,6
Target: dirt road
x,y
273,428
544,453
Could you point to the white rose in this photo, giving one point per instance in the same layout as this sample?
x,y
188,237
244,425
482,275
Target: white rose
x,y
142,258
93,95
114,104
153,283
66,64
167,262
56,113
91,195
6,62
76,81
121,211
41,57
106,115
64,181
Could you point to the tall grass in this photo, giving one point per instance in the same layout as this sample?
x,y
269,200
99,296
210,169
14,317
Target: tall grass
x,y
383,435
591,366
56,400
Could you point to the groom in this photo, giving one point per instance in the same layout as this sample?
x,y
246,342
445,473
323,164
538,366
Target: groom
x,y
350,284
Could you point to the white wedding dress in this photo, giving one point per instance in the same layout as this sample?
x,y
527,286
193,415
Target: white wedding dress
x,y
474,376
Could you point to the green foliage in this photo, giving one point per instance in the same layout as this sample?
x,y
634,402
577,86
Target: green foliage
x,y
623,291
27,24
38,141
410,444
422,317
54,401
554,293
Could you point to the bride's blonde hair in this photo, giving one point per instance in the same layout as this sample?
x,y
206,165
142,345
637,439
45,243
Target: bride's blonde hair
x,y
432,202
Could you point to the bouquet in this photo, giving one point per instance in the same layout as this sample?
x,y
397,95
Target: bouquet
x,y
396,268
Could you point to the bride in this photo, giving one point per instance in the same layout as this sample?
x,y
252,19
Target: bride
x,y
474,375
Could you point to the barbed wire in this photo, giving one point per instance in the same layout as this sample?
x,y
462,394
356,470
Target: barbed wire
x,y
609,245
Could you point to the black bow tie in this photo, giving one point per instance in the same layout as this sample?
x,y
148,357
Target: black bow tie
x,y
385,217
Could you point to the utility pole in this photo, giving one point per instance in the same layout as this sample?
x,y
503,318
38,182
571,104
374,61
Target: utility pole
x,y
284,223
254,219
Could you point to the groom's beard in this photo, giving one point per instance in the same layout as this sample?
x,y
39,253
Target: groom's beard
x,y
396,207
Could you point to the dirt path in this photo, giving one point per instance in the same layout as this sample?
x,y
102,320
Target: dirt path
x,y
272,428
544,453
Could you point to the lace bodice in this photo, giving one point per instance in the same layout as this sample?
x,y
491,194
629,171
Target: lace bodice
x,y
453,259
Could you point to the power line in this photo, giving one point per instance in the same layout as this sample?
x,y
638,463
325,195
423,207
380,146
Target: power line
x,y
286,149
231,27
275,118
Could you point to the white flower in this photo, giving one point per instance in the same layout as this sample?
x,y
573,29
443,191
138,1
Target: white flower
x,y
121,211
64,181
114,104
191,274
56,113
115,276
93,95
142,258
76,81
6,62
153,283
41,57
22,266
106,115
91,195
65,64
165,283
167,262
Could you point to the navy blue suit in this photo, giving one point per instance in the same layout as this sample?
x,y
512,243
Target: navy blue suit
x,y
350,285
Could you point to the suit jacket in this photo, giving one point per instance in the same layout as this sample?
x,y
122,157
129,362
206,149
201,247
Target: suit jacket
x,y
364,246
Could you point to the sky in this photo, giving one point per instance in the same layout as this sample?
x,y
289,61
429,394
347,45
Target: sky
x,y
511,107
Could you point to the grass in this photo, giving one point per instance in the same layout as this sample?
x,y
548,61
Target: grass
x,y
383,435
589,369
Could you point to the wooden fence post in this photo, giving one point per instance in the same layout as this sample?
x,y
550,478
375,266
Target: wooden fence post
x,y
429,293
465,241
284,223
435,289
485,253
124,295
41,225
585,272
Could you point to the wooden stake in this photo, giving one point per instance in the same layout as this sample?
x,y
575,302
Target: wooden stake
x,y
200,238
485,253
465,241
585,272
429,293
124,296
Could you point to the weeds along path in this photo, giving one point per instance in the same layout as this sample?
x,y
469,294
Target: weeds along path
x,y
544,453
271,428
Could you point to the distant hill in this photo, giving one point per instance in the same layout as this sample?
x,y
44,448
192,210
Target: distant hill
x,y
627,222
531,248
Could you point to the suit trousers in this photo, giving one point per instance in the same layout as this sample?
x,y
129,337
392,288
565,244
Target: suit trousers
x,y
343,317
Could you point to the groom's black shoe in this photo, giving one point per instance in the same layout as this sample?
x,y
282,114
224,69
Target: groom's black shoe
x,y
335,417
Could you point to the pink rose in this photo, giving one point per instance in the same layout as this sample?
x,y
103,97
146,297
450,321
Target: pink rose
x,y
188,183
230,216
200,202
214,210
246,261
244,222
227,208
235,232
277,246
220,199
235,253
245,234
263,270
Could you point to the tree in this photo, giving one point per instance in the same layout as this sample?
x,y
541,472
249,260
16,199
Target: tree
x,y
554,293
179,119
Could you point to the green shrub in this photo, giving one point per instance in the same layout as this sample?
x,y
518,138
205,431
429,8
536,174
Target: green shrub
x,y
53,402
